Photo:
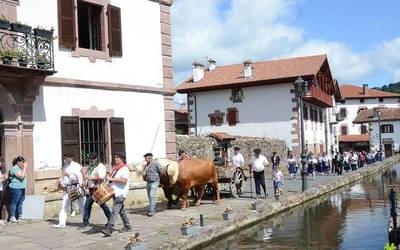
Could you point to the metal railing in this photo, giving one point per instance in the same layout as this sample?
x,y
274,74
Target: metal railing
x,y
26,48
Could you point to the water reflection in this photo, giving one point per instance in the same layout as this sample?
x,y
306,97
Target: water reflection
x,y
352,218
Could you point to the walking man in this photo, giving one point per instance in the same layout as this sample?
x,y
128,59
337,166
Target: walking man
x,y
94,177
119,182
152,174
258,163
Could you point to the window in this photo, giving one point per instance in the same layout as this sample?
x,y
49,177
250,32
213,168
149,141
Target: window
x,y
362,100
363,129
89,25
315,115
305,113
83,25
343,112
92,139
380,99
343,130
233,116
81,136
216,118
311,114
387,128
320,116
237,95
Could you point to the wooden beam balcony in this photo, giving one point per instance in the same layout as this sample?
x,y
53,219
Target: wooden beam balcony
x,y
318,97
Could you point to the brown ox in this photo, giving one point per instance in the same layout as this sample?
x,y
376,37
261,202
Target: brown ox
x,y
197,174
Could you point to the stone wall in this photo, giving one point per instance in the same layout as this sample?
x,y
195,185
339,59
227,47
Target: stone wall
x,y
201,147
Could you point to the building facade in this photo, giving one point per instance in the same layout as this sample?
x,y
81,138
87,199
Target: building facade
x,y
260,100
355,99
109,60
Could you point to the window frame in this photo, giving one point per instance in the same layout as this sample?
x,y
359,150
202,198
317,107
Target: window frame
x,y
105,159
362,100
216,118
346,127
237,95
387,128
232,112
363,130
381,99
341,113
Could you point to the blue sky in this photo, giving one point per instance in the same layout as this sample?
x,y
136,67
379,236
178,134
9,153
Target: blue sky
x,y
361,38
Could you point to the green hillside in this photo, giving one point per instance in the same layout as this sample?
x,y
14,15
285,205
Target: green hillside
x,y
391,87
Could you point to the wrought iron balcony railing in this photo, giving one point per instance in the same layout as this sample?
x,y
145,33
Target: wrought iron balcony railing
x,y
20,46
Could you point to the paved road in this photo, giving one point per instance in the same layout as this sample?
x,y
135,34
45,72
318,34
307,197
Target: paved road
x,y
161,228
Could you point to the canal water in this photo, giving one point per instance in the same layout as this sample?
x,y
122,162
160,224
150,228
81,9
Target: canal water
x,y
354,217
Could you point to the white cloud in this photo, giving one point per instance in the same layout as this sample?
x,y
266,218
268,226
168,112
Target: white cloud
x,y
258,30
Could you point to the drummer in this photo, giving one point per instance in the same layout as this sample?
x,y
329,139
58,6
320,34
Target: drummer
x,y
119,179
71,176
95,175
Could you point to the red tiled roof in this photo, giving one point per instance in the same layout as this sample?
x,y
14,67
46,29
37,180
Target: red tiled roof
x,y
352,91
353,138
222,136
387,114
263,72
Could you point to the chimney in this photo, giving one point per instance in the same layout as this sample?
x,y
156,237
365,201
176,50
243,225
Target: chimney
x,y
248,70
198,71
211,64
365,89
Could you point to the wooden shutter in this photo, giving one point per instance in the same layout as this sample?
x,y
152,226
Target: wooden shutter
x,y
70,137
114,31
117,135
232,116
213,120
66,23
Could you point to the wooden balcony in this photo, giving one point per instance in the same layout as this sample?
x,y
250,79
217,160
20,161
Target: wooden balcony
x,y
318,97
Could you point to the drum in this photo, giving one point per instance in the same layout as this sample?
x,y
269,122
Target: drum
x,y
73,193
81,191
103,194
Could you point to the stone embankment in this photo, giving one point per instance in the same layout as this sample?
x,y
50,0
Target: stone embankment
x,y
246,217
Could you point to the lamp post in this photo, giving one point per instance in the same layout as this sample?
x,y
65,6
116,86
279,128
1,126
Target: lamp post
x,y
377,113
301,86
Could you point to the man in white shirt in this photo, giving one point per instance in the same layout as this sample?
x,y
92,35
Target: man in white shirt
x,y
71,177
258,163
119,182
237,158
95,175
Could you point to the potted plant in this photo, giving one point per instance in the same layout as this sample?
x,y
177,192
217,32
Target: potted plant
x,y
42,32
23,58
42,62
21,28
4,23
7,56
228,213
189,227
135,242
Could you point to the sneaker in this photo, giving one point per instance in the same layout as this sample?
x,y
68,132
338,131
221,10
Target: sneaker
x,y
125,230
59,226
13,220
107,231
150,214
83,226
73,213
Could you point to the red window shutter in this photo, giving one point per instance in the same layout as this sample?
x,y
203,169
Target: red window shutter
x,y
66,24
114,31
117,129
232,116
213,120
70,143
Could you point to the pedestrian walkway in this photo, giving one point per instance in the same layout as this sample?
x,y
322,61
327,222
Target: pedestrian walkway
x,y
159,230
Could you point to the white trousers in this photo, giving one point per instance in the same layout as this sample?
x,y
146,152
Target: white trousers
x,y
66,204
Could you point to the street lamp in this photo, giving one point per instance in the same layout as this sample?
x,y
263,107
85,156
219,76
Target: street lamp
x,y
301,88
377,114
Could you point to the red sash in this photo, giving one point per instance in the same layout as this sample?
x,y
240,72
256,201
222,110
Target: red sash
x,y
116,168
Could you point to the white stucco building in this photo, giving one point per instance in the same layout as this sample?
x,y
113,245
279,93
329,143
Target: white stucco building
x,y
354,99
258,99
107,86
384,128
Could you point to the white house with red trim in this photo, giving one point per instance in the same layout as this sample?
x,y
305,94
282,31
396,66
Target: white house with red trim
x,y
356,98
259,99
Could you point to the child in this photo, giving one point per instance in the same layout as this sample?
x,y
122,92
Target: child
x,y
278,179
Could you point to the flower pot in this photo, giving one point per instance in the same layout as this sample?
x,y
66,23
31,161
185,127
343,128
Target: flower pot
x,y
4,24
22,63
256,206
21,28
189,230
228,216
43,33
7,60
141,246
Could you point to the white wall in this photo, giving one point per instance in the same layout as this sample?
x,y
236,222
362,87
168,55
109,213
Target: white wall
x,y
143,115
315,131
352,106
141,63
264,112
395,135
